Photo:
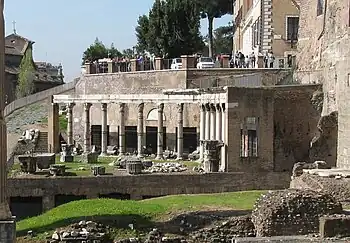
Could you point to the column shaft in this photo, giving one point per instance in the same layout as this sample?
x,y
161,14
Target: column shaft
x,y
70,139
201,132
218,123
104,129
207,122
160,132
180,131
5,213
212,121
140,129
53,128
122,129
223,163
87,129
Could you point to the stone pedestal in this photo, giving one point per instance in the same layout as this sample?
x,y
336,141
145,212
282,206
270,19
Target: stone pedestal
x,y
133,65
211,155
225,61
260,62
8,230
159,63
188,61
112,68
90,158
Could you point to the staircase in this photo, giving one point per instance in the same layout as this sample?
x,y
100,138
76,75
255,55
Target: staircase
x,y
42,145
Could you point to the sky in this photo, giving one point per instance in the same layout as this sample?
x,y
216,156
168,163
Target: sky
x,y
62,30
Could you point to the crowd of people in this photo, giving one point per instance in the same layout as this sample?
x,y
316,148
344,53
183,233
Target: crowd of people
x,y
240,60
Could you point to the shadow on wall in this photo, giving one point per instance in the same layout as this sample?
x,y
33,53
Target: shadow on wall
x,y
324,145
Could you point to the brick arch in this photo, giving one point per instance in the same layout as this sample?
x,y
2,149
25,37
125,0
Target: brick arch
x,y
153,115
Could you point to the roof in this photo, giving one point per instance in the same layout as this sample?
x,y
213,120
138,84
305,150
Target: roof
x,y
296,3
17,42
10,50
11,69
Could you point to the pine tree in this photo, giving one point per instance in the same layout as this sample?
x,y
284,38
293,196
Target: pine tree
x,y
26,74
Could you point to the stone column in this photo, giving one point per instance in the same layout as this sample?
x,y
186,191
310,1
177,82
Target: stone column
x,y
7,223
87,128
158,63
122,129
225,61
70,139
53,128
160,132
140,108
212,121
104,130
180,131
201,132
218,123
223,138
207,122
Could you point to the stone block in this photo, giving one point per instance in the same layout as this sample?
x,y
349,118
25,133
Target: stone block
x,y
44,160
8,230
89,158
335,226
66,158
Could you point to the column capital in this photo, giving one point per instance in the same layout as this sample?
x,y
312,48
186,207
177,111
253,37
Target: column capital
x,y
121,107
207,106
218,107
104,106
180,107
140,107
223,107
161,107
87,106
202,106
212,107
70,105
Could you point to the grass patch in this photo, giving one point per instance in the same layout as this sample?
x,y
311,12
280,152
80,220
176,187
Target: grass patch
x,y
140,213
63,122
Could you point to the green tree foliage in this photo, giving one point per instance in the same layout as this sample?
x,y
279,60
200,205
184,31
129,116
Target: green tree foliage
x,y
142,33
129,53
171,29
223,37
26,75
211,9
98,50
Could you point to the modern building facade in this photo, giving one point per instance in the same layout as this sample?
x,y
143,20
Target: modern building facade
x,y
266,25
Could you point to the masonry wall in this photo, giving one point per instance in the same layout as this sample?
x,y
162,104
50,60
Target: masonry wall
x,y
242,103
150,185
324,58
295,126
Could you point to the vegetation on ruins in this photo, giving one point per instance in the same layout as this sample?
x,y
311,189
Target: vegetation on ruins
x,y
170,29
211,9
143,213
26,74
98,50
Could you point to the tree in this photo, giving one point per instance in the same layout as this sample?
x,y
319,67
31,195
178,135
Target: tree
x,y
26,74
95,51
113,52
211,9
142,33
223,37
129,53
172,29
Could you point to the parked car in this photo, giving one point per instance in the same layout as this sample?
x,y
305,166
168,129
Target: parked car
x,y
176,63
205,62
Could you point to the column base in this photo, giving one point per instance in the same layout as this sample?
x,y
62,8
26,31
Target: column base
x,y
180,158
8,230
103,154
159,158
121,154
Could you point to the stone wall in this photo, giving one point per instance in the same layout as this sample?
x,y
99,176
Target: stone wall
x,y
287,123
150,185
324,55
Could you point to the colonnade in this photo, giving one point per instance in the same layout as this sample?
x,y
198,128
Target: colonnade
x,y
212,127
212,124
140,128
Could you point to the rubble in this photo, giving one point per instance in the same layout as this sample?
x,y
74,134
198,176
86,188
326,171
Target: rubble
x,y
166,168
240,226
84,231
292,212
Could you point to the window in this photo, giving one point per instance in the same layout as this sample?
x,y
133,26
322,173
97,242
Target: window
x,y
249,137
320,7
256,29
292,28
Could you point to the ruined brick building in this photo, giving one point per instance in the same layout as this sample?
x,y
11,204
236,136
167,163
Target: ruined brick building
x,y
324,58
16,47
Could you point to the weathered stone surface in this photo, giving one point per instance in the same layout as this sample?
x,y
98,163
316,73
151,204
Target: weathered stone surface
x,y
7,231
166,168
292,212
335,226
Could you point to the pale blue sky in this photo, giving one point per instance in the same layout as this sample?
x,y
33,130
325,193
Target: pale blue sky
x,y
62,30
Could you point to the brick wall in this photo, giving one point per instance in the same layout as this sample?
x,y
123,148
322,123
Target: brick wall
x,y
150,185
324,54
